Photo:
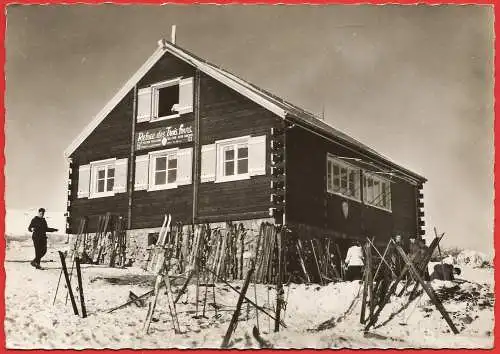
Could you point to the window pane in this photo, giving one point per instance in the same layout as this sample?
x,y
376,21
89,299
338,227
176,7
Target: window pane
x,y
111,183
111,172
242,152
229,168
167,97
376,192
352,185
161,163
228,154
100,186
160,178
384,195
369,190
329,178
172,176
343,179
242,166
101,174
336,183
172,163
336,170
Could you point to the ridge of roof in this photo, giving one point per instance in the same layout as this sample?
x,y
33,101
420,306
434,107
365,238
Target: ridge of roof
x,y
275,104
300,113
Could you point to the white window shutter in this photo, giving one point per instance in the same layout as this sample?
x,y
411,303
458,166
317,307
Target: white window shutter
x,y
184,166
208,161
185,96
141,172
257,155
120,185
84,181
144,105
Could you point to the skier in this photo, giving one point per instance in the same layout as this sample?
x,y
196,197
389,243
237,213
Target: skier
x,y
354,261
38,226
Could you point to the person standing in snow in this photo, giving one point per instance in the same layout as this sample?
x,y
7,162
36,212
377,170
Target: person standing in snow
x,y
354,261
414,248
38,226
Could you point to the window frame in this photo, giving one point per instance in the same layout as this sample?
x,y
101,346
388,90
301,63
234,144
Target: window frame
x,y
155,90
96,166
381,181
350,168
220,146
152,156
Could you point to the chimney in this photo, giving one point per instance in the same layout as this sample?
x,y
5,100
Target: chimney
x,y
173,34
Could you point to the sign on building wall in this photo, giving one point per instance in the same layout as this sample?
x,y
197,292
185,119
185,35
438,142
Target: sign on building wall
x,y
164,136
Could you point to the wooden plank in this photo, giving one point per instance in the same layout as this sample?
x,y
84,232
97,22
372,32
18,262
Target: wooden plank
x,y
362,316
171,304
80,287
317,264
236,314
248,300
68,283
152,304
301,259
428,290
369,266
279,278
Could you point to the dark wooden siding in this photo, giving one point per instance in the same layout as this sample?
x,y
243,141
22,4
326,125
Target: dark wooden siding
x,y
149,208
110,139
308,201
227,114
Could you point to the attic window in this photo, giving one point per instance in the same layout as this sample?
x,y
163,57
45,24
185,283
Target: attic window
x,y
165,100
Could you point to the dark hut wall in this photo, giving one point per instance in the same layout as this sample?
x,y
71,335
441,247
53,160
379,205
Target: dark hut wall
x,y
225,113
308,201
110,139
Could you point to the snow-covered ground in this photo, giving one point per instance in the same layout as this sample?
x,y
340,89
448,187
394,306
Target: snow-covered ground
x,y
316,316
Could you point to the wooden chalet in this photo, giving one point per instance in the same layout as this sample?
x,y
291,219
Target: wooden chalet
x,y
185,137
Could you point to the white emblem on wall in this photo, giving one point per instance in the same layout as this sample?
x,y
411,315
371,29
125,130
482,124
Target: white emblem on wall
x,y
164,141
345,209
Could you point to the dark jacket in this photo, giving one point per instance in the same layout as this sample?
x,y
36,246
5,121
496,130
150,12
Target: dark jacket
x,y
39,227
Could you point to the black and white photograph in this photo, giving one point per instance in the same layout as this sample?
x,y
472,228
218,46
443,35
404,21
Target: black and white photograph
x,y
249,176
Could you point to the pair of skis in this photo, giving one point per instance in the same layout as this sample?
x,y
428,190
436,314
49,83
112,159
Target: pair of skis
x,y
68,284
158,265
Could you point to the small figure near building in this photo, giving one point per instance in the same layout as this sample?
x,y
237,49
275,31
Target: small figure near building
x,y
38,226
445,272
354,261
414,248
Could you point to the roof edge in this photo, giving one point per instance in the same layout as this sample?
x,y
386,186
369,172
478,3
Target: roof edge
x,y
368,152
122,92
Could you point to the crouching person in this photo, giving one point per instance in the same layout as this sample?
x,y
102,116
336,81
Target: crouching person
x,y
354,261
445,272
39,228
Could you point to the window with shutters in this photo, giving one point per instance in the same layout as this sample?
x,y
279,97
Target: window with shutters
x,y
163,169
233,159
343,179
102,178
377,191
165,100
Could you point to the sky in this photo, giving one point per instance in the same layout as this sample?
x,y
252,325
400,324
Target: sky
x,y
413,82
